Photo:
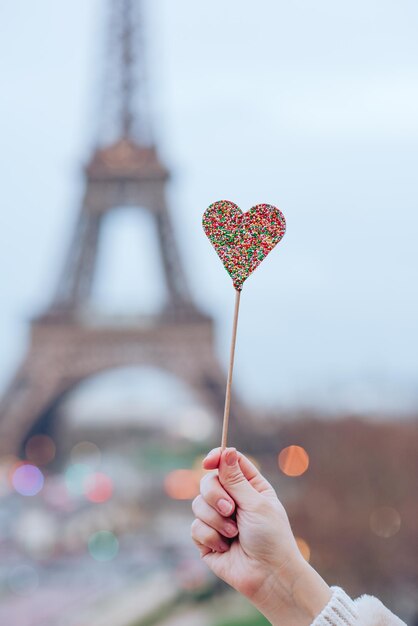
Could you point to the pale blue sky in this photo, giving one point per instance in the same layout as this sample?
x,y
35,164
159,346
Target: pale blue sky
x,y
310,106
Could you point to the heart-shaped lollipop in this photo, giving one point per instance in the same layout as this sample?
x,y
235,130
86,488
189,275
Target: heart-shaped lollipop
x,y
243,240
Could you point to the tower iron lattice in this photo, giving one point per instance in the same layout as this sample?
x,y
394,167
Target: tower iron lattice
x,y
67,345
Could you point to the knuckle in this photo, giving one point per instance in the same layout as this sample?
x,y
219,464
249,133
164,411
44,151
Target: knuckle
x,y
195,503
202,534
205,480
209,536
208,484
234,478
194,528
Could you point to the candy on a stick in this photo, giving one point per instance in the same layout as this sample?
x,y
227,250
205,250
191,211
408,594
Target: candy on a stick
x,y
242,241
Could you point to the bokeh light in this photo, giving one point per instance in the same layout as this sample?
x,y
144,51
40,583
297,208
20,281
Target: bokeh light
x,y
182,484
98,487
27,479
75,478
103,545
385,522
87,453
293,460
304,548
23,580
40,449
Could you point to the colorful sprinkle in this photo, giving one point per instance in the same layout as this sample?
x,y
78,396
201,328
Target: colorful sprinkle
x,y
243,240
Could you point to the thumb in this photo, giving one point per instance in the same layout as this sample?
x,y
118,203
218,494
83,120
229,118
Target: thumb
x,y
234,482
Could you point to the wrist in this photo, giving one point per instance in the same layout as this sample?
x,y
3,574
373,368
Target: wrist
x,y
294,595
311,593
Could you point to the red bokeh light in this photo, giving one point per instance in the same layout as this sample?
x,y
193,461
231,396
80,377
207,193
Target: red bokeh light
x,y
98,487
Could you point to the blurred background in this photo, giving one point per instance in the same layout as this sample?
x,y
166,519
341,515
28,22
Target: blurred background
x,y
121,122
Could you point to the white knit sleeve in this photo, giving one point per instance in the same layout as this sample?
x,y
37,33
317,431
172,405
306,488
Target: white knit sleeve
x,y
372,612
341,610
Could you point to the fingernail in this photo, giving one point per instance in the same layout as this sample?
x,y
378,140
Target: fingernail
x,y
230,530
224,506
231,457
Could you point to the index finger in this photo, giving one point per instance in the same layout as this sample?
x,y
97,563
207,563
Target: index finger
x,y
212,459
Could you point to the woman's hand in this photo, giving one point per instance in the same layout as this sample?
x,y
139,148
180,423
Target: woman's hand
x,y
243,534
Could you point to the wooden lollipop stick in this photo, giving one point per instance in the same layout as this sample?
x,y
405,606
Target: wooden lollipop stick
x,y
231,368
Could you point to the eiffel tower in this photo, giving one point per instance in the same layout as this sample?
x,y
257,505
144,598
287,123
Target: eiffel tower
x,y
67,345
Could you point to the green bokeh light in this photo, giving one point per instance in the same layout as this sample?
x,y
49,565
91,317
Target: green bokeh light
x,y
103,545
75,477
